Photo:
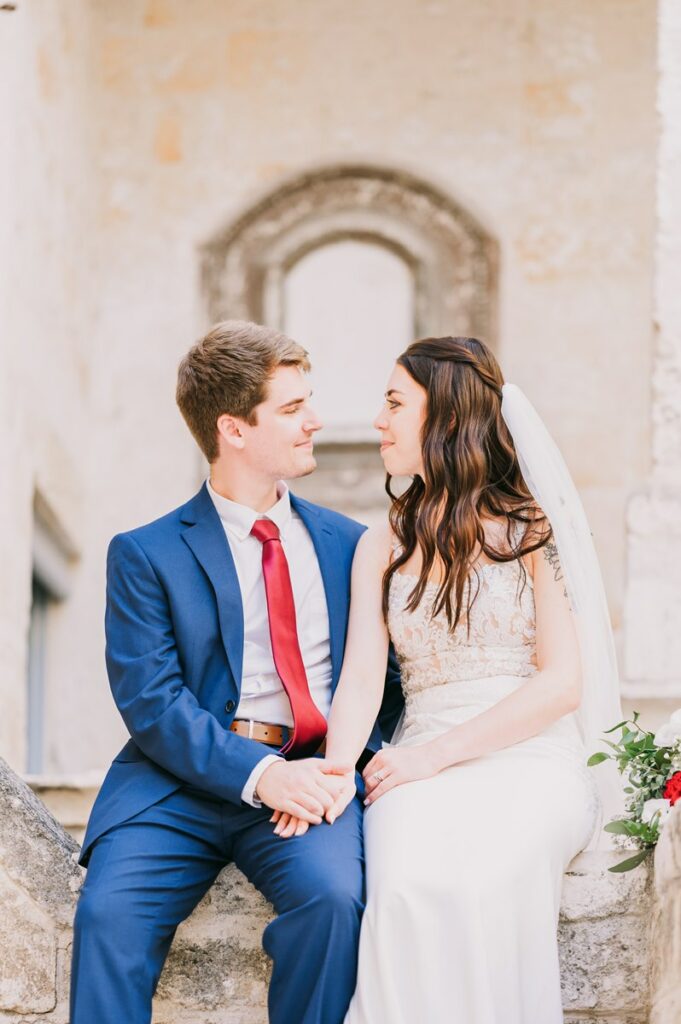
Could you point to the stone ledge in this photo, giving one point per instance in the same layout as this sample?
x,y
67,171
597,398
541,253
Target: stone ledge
x,y
603,945
69,798
217,972
35,851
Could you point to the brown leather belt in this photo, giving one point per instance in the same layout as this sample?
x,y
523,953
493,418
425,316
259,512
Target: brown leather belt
x,y
265,732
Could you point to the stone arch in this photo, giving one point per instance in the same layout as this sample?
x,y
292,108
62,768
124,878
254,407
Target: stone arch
x,y
452,258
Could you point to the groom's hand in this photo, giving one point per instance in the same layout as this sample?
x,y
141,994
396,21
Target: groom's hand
x,y
305,789
287,825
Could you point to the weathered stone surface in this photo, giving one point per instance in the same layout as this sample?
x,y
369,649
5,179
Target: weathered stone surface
x,y
28,952
668,856
666,925
217,960
35,851
605,964
603,937
591,891
209,974
636,1018
69,798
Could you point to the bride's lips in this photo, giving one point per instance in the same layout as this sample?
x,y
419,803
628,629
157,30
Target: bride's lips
x,y
386,444
306,444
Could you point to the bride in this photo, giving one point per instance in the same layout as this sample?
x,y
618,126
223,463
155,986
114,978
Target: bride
x,y
486,582
483,797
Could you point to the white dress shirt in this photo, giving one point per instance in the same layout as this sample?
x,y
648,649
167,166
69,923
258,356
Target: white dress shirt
x,y
263,698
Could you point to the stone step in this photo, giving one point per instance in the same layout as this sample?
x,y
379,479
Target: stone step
x,y
217,963
217,972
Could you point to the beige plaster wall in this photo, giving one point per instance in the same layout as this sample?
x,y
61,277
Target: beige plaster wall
x,y
47,317
540,119
653,606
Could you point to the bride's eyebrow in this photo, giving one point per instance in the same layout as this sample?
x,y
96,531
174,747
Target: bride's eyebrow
x,y
393,391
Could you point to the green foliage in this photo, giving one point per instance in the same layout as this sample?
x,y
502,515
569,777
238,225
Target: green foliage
x,y
646,768
631,862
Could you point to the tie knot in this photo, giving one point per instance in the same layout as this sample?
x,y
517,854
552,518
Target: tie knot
x,y
264,530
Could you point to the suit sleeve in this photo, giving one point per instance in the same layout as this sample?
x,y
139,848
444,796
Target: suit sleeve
x,y
162,715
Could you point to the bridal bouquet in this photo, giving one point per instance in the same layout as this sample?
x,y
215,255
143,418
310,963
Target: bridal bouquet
x,y
651,766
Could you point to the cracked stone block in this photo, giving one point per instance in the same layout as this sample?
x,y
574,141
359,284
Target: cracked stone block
x,y
591,891
604,964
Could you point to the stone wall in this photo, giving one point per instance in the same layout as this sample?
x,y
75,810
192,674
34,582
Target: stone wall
x,y
539,122
144,128
217,972
653,607
48,259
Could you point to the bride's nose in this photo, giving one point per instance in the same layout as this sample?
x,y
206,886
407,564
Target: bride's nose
x,y
381,423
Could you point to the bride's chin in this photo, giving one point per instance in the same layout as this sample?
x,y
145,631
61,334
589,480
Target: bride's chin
x,y
391,465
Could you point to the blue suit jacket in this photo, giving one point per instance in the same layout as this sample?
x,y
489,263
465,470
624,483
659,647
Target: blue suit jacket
x,y
174,652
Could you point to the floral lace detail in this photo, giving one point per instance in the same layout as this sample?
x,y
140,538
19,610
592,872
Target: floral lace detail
x,y
501,640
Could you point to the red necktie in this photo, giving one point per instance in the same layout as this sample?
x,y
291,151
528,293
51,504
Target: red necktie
x,y
309,725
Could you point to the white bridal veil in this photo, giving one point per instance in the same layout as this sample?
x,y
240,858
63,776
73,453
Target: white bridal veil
x,y
551,485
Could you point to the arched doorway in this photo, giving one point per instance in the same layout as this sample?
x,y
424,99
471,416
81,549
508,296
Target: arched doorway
x,y
354,262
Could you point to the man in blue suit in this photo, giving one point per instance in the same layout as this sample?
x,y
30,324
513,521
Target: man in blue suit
x,y
225,628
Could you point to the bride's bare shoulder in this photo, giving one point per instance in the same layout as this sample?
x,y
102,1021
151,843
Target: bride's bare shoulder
x,y
375,545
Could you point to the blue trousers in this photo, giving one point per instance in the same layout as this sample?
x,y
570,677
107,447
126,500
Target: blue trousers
x,y
146,875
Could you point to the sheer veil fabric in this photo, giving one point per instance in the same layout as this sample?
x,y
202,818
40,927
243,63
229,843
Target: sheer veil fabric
x,y
549,481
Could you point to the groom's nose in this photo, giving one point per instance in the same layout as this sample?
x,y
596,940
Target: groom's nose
x,y
312,423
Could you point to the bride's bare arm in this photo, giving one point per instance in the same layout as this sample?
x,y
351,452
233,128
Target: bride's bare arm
x,y
554,691
359,692
360,688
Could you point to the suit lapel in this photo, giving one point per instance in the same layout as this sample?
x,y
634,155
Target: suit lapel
x,y
329,556
206,538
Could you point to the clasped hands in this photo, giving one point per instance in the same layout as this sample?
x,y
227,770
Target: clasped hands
x,y
309,791
305,792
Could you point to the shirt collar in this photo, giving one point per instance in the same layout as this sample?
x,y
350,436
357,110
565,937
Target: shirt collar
x,y
239,519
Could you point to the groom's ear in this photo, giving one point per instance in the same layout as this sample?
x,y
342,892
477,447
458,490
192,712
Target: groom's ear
x,y
229,429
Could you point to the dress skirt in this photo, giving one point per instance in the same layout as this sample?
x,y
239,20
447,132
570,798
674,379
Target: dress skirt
x,y
464,874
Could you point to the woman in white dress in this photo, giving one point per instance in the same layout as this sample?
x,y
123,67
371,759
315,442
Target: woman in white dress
x,y
486,581
483,797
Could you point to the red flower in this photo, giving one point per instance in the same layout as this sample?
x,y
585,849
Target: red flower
x,y
672,791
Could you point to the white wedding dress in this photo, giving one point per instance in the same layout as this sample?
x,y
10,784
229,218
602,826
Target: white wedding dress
x,y
464,869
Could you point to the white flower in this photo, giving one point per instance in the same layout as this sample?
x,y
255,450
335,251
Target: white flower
x,y
651,808
670,732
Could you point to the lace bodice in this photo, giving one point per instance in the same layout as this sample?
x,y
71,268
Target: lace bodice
x,y
502,633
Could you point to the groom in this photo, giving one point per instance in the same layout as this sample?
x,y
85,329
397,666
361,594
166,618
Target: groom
x,y
225,628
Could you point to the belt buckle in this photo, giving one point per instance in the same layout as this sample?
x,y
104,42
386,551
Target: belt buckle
x,y
251,725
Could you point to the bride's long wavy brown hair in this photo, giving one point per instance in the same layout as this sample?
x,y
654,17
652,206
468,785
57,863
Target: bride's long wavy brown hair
x,y
471,473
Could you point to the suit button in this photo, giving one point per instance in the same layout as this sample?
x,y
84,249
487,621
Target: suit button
x,y
229,706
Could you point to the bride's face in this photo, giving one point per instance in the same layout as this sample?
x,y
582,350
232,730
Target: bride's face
x,y
399,423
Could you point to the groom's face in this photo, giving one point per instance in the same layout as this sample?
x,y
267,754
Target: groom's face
x,y
281,442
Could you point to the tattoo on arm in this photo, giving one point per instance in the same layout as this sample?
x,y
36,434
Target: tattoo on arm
x,y
551,555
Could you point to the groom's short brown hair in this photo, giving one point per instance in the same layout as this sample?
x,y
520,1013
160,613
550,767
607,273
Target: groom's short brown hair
x,y
226,372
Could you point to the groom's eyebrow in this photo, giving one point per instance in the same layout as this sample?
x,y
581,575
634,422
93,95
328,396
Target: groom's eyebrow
x,y
295,401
